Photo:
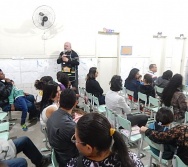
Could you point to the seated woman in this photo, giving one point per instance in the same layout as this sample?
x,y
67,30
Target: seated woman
x,y
117,103
63,80
132,83
93,86
176,136
172,95
50,100
164,118
100,145
147,88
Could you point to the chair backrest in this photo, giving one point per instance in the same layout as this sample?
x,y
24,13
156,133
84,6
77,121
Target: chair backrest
x,y
129,92
81,91
186,117
159,147
44,131
111,117
126,124
158,89
185,90
142,97
53,159
95,101
177,162
154,101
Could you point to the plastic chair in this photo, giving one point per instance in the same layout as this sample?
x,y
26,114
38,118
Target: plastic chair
x,y
186,118
142,97
4,135
154,105
4,126
89,96
53,159
159,147
177,162
100,108
111,116
185,90
47,145
158,89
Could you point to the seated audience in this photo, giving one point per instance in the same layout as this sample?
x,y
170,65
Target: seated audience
x,y
100,145
63,80
77,113
61,127
152,71
93,86
19,101
163,80
164,118
173,96
147,88
176,136
132,83
50,100
5,90
117,103
9,149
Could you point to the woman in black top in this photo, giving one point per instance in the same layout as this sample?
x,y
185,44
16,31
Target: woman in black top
x,y
93,86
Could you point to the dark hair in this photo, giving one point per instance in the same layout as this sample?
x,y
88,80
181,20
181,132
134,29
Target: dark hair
x,y
116,83
164,115
148,78
39,84
132,74
49,92
151,66
91,74
67,99
167,75
94,130
63,78
174,85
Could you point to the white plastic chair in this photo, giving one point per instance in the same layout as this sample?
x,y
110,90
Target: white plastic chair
x,y
177,162
100,108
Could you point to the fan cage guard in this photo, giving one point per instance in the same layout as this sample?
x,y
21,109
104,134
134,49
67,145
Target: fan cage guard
x,y
37,18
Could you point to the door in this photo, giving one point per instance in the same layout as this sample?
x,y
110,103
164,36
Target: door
x,y
107,50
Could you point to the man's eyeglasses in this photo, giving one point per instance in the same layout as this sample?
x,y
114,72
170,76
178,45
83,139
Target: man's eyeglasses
x,y
73,139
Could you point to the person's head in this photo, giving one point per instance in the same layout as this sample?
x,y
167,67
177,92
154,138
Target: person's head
x,y
116,83
51,94
93,73
68,99
134,74
164,116
67,46
167,75
153,68
94,136
63,78
39,84
2,75
148,79
175,84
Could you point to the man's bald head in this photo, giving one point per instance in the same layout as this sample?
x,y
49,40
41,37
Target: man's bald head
x,y
67,46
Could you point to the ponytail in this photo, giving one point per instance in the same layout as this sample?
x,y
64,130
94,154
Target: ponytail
x,y
120,148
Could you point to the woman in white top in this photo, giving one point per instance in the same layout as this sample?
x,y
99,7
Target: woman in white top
x,y
117,103
50,101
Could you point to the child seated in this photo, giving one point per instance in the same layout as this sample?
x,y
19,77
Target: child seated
x,y
24,102
163,119
147,87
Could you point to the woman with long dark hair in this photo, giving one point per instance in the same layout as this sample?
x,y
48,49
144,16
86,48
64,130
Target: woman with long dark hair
x,y
50,101
132,83
93,86
172,95
100,145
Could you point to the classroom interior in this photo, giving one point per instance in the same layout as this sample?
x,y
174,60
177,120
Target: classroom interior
x,y
114,36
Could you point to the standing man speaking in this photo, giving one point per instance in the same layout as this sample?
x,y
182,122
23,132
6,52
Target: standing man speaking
x,y
69,62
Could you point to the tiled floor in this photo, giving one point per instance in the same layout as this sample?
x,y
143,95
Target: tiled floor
x,y
35,134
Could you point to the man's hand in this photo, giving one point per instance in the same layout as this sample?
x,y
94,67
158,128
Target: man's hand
x,y
64,58
12,107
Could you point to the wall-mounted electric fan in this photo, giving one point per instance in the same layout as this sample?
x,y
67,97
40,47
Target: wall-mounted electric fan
x,y
43,17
